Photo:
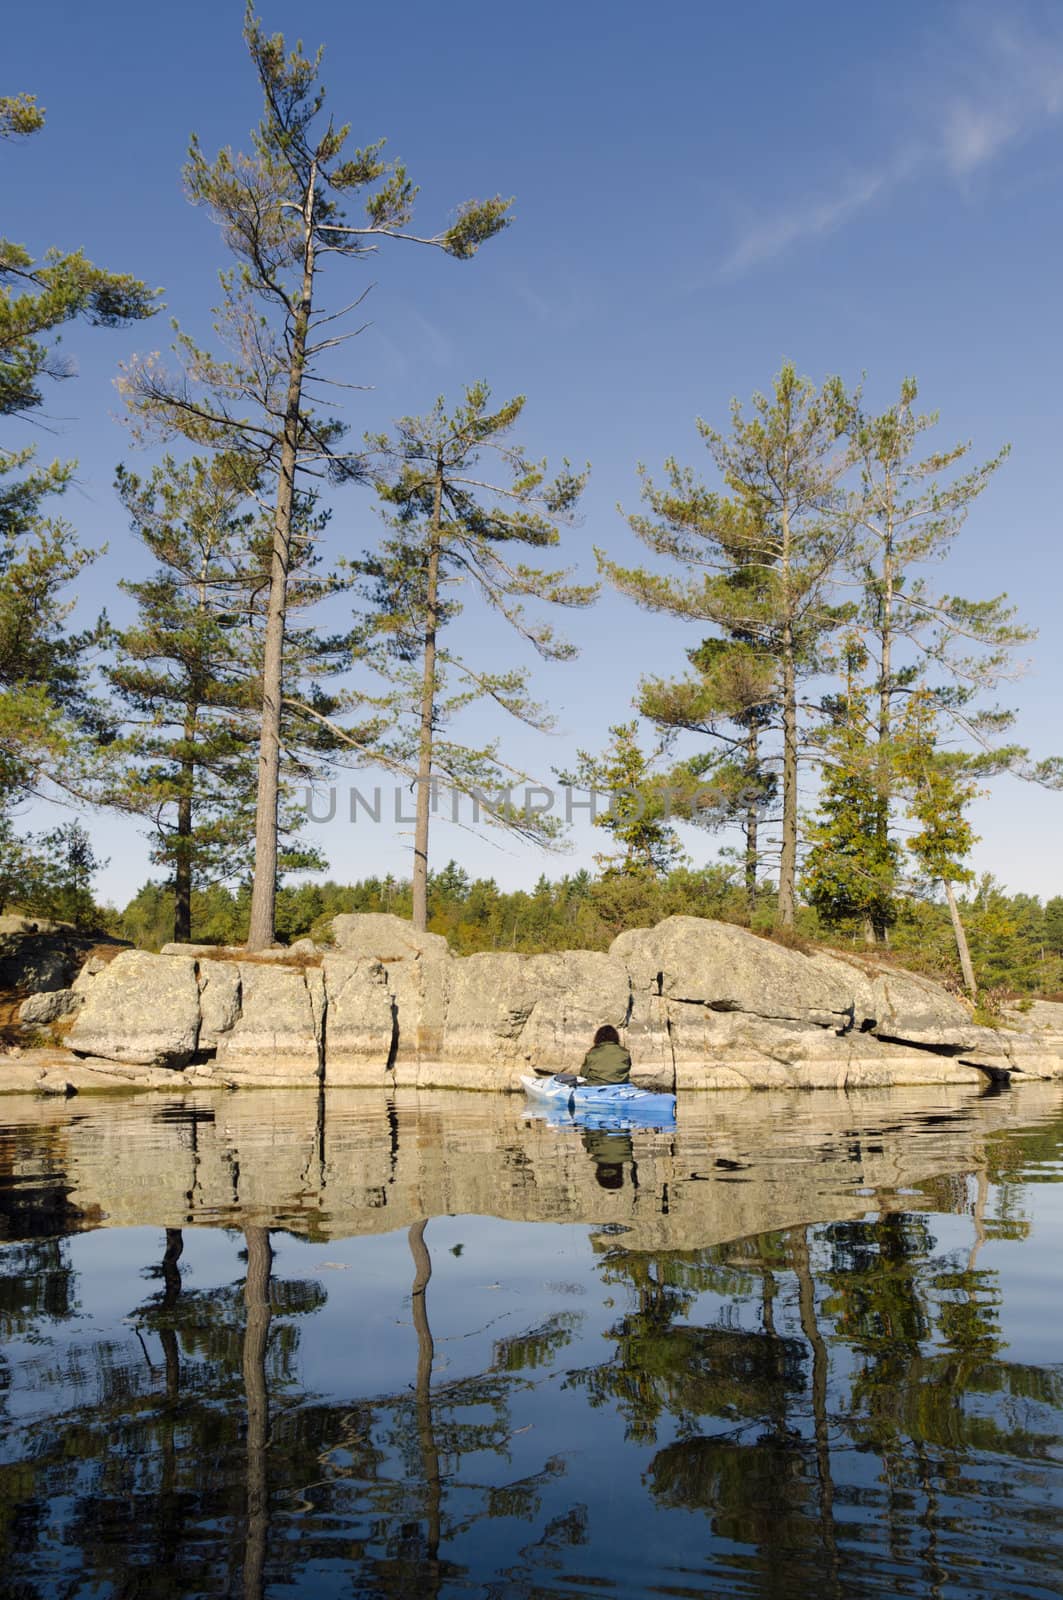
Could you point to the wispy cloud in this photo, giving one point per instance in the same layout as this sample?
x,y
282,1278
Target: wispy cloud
x,y
1003,82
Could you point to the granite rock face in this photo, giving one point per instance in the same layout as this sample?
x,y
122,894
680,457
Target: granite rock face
x,y
49,1005
416,970
277,1036
518,1013
220,1000
720,1008
142,1009
700,1004
360,1020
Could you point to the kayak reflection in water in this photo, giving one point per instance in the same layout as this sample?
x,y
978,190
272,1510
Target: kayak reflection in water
x,y
609,1151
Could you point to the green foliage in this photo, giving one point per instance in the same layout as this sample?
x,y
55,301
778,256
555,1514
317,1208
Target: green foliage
x,y
637,802
852,866
281,211
50,720
759,562
50,874
460,497
940,784
187,673
573,912
908,512
20,115
1008,938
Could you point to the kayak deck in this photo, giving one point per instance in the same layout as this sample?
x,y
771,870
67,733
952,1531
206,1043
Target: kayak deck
x,y
624,1100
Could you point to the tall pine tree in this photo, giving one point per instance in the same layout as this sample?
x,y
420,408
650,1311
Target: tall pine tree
x,y
184,675
940,784
188,674
636,805
280,209
729,698
781,521
453,523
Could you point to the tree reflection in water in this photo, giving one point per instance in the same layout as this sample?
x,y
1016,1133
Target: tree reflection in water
x,y
816,1409
256,1392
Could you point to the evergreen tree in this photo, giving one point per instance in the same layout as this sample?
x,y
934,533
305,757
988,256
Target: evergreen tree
x,y
75,865
280,209
940,783
188,674
184,675
764,558
50,874
908,510
46,703
729,698
451,522
851,869
1053,924
638,803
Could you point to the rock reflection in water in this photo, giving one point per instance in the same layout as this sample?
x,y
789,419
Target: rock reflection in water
x,y
772,1360
358,1163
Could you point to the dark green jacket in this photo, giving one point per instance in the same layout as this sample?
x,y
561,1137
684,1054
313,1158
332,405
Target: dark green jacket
x,y
606,1063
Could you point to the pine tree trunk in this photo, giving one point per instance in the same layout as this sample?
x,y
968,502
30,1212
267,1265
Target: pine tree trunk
x,y
182,871
428,710
884,785
962,947
264,890
788,859
752,819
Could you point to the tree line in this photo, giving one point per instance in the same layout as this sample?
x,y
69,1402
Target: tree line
x,y
1015,940
824,663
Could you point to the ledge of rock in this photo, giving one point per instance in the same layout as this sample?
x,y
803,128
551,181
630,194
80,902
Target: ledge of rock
x,y
702,1004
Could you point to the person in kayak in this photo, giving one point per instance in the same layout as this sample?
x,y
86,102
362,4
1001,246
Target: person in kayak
x,y
606,1061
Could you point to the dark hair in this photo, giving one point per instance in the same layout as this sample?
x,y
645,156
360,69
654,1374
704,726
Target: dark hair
x,y
607,1035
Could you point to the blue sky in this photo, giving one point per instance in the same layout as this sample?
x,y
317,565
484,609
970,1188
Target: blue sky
x,y
701,191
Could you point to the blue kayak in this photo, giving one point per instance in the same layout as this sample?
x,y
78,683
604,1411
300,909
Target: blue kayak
x,y
614,1101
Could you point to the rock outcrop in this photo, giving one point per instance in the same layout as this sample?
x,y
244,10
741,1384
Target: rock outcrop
x,y
49,1005
141,1009
277,1034
720,1008
701,1004
361,1020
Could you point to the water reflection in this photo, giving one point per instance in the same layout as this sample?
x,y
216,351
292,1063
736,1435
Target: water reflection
x,y
799,1347
611,1153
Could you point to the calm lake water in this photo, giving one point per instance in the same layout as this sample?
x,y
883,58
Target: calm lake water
x,y
435,1346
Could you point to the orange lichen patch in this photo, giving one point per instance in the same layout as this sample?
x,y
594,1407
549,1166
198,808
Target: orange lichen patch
x,y
106,952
